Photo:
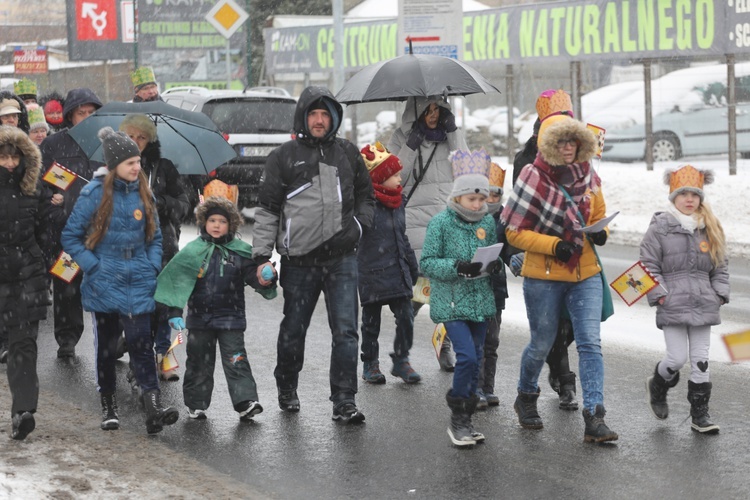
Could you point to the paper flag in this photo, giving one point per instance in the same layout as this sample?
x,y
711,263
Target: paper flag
x,y
59,176
634,283
169,361
738,345
599,133
65,268
437,338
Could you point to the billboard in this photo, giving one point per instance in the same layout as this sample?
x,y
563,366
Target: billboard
x,y
533,33
95,30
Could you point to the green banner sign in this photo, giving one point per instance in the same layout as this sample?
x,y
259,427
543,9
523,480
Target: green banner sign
x,y
575,31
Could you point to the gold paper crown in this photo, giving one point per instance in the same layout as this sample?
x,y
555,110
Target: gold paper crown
x,y
474,162
687,178
221,189
497,175
380,154
553,101
24,87
142,75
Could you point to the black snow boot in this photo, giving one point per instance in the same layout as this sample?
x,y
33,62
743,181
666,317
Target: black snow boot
x,y
596,430
156,415
525,407
698,395
656,389
460,429
110,419
568,392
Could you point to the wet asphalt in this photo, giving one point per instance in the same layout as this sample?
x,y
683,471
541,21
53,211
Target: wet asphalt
x,y
403,450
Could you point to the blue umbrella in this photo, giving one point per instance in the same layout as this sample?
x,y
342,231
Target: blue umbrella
x,y
190,139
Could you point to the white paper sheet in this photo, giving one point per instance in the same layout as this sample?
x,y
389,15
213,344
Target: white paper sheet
x,y
595,228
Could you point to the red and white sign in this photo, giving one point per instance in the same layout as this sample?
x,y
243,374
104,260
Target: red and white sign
x,y
96,20
30,61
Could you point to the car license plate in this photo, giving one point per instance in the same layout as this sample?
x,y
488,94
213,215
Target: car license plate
x,y
256,150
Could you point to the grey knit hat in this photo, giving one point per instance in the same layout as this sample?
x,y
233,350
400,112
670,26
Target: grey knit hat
x,y
117,147
470,171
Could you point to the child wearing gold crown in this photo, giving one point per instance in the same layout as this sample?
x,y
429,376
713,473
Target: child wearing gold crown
x,y
209,276
685,250
461,297
387,269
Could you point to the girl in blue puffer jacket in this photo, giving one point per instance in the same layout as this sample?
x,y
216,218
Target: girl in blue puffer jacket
x,y
113,234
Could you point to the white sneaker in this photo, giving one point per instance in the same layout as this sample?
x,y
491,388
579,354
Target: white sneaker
x,y
197,414
253,409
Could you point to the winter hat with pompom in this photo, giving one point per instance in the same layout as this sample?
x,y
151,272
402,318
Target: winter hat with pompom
x,y
117,147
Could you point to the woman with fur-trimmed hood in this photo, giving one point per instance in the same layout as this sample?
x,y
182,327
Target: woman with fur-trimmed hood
x,y
23,282
552,199
209,276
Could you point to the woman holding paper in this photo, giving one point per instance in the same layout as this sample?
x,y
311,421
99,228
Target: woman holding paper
x,y
23,282
461,295
113,234
552,199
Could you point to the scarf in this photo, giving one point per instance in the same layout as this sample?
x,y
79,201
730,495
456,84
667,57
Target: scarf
x,y
538,203
466,214
437,134
688,222
389,197
494,207
177,280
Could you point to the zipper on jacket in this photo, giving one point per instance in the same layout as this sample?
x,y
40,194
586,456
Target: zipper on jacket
x,y
547,264
338,183
288,235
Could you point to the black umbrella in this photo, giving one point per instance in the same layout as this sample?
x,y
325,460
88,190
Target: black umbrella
x,y
187,138
413,75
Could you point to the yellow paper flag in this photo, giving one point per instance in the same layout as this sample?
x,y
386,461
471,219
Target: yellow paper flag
x,y
634,283
437,338
169,361
65,268
738,345
599,133
59,176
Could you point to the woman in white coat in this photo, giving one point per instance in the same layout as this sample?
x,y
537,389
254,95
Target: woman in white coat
x,y
423,142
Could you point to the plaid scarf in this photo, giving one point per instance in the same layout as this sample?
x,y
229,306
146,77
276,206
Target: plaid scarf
x,y
538,203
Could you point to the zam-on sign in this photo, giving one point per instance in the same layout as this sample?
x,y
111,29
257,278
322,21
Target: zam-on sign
x,y
574,31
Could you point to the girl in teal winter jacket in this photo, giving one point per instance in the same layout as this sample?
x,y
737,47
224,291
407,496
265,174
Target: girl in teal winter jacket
x,y
461,295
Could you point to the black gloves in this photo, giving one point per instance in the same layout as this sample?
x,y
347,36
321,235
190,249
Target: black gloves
x,y
416,136
599,238
447,120
564,250
494,267
468,269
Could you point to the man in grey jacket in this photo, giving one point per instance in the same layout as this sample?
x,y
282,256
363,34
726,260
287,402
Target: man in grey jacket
x,y
315,198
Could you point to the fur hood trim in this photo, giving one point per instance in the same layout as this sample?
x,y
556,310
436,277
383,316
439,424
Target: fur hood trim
x,y
235,219
32,158
564,128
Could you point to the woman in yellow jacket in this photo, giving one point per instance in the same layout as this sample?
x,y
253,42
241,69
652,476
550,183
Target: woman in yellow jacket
x,y
561,272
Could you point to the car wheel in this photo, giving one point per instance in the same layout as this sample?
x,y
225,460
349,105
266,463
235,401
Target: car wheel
x,y
666,148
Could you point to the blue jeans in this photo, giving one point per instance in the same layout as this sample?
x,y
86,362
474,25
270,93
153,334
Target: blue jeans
x,y
468,343
107,328
302,286
544,300
402,310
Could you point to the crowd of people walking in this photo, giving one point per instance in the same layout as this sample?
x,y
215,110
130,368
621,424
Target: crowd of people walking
x,y
362,226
